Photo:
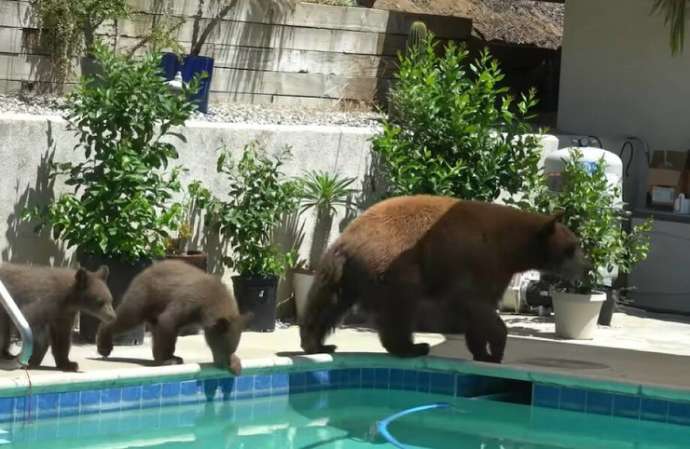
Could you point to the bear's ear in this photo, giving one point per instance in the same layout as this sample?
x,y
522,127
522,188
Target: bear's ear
x,y
550,226
82,278
103,272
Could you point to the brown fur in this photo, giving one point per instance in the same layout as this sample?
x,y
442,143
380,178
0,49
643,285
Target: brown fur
x,y
50,299
453,255
170,295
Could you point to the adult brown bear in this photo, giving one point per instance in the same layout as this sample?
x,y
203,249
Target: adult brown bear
x,y
457,255
170,295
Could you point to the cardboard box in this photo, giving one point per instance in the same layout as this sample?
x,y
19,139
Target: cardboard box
x,y
669,169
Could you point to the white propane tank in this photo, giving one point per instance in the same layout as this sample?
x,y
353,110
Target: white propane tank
x,y
555,162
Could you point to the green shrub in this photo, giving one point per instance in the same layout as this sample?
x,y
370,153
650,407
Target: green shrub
x,y
257,199
592,210
121,206
452,130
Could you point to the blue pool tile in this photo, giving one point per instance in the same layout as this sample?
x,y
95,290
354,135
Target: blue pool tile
x,y
151,393
337,378
546,396
410,380
6,408
25,405
317,380
468,385
423,378
368,378
573,399
244,387
190,390
171,390
111,399
654,410
599,403
262,385
90,399
68,403
397,379
210,388
227,387
382,377
442,383
131,396
626,406
679,413
48,404
280,383
298,382
353,378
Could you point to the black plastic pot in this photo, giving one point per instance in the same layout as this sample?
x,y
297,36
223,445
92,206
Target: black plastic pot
x,y
257,295
609,307
121,275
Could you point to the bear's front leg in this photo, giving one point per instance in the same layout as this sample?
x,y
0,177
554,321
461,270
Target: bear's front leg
x,y
61,342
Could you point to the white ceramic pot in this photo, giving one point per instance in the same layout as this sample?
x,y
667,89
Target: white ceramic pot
x,y
301,282
577,314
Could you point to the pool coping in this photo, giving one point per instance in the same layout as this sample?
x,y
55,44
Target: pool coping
x,y
64,382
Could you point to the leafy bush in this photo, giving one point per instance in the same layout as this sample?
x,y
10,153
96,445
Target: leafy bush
x,y
257,199
121,203
592,210
452,130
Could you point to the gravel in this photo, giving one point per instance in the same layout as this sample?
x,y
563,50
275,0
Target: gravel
x,y
227,113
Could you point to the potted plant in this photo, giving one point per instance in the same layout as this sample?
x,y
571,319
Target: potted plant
x,y
257,199
68,28
323,193
119,212
178,247
591,208
452,129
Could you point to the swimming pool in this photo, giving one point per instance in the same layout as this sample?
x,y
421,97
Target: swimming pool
x,y
337,404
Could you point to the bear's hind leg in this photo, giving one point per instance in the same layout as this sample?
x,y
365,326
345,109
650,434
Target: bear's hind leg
x,y
41,343
486,328
320,323
5,341
395,328
164,334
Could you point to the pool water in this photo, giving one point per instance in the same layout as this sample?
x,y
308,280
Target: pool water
x,y
343,419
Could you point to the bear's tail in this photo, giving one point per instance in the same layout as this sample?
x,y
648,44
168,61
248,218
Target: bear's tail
x,y
325,302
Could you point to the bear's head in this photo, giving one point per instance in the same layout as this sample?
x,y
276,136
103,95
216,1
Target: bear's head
x,y
223,338
92,295
561,253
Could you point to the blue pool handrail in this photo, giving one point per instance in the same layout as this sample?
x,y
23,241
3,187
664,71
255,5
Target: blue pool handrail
x,y
20,322
382,426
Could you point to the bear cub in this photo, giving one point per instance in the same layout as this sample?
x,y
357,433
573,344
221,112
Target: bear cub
x,y
408,254
50,299
173,294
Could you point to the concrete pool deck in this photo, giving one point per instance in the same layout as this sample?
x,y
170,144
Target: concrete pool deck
x,y
620,353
